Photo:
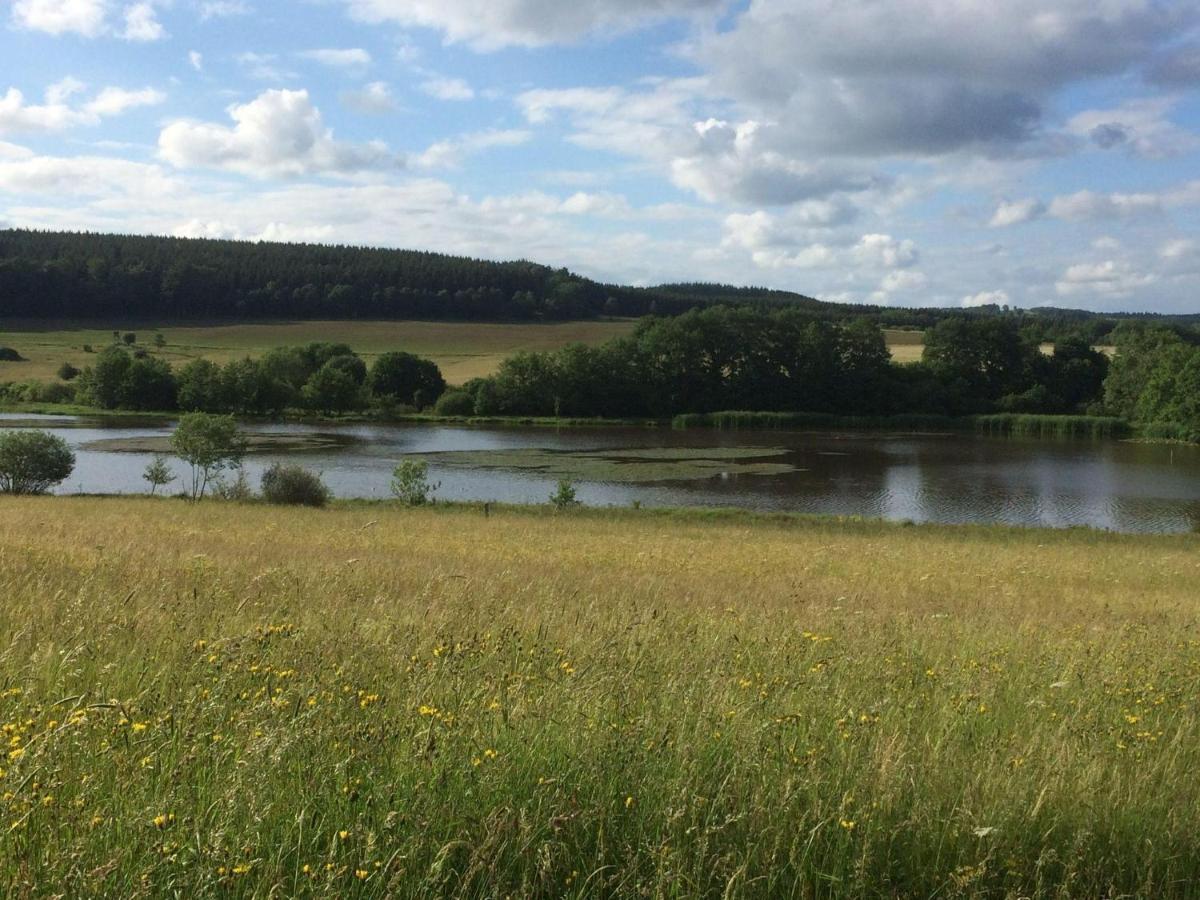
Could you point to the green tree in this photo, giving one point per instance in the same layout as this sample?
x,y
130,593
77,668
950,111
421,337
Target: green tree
x,y
103,383
158,473
332,390
32,462
200,387
209,444
404,378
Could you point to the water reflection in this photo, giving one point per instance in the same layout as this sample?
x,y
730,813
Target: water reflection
x,y
929,478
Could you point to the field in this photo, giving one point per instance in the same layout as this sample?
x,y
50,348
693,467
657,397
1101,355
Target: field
x,y
463,350
239,700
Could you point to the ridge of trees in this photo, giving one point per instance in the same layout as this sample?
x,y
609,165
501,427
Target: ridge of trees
x,y
84,275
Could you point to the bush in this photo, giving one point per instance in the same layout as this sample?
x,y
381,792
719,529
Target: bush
x,y
293,486
564,495
32,462
87,348
8,354
67,372
129,338
237,490
410,482
455,403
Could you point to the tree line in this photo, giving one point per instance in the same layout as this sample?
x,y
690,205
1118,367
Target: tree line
x,y
320,377
744,359
62,275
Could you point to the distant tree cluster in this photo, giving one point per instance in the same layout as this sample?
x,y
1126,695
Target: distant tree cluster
x,y
322,377
725,359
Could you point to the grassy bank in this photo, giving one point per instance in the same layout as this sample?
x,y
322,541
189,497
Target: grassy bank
x,y
1005,424
371,701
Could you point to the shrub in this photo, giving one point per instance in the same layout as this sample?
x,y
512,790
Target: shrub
x,y
129,338
410,482
564,495
8,354
32,462
87,348
158,473
293,486
208,444
236,490
68,372
455,403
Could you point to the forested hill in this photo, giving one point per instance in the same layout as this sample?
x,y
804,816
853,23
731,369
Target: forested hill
x,y
55,275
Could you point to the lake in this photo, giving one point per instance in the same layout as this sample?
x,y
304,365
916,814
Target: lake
x,y
949,478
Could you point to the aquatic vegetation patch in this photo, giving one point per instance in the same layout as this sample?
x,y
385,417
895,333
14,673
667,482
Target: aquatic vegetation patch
x,y
257,442
630,466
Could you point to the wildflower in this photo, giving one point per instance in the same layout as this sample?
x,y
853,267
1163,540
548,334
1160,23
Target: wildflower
x,y
163,820
629,802
361,874
343,834
848,824
139,727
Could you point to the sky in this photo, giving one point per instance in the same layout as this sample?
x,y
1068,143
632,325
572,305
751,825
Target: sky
x,y
898,152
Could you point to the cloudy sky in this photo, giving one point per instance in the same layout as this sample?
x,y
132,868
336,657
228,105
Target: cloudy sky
x,y
906,152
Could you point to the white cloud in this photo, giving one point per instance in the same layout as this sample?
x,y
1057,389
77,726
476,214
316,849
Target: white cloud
x,y
450,153
196,60
448,88
264,66
113,101
375,98
347,58
1178,248
986,298
82,17
141,24
1090,206
278,134
490,24
1110,278
57,114
1014,212
884,250
1142,127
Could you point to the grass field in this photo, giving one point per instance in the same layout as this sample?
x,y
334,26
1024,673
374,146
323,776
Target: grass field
x,y
239,700
463,350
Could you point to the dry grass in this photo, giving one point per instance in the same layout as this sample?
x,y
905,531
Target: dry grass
x,y
240,700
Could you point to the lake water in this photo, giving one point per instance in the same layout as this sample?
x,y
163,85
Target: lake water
x,y
957,478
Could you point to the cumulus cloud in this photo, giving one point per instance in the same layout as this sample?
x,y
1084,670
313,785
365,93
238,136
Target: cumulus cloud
x,y
278,134
491,24
886,251
196,60
450,154
883,78
1110,278
141,24
1090,206
1014,212
82,17
58,114
447,88
986,298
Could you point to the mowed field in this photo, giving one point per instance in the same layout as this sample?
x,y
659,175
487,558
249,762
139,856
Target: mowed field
x,y
463,350
371,701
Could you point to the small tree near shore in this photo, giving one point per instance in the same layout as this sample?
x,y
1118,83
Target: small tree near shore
x,y
158,474
32,462
209,445
410,482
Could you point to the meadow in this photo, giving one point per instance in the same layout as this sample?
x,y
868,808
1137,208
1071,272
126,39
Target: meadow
x,y
463,350
238,700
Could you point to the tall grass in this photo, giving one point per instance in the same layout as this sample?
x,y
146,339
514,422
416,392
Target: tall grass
x,y
1017,425
228,700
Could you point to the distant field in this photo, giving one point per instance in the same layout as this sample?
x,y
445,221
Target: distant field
x,y
368,701
463,350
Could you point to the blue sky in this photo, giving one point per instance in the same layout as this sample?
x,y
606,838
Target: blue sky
x,y
911,152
